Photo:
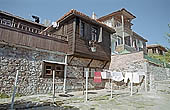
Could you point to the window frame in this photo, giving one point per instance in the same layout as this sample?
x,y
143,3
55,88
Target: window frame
x,y
94,33
82,29
53,67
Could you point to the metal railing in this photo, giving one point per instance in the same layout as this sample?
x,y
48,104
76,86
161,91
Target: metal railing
x,y
156,61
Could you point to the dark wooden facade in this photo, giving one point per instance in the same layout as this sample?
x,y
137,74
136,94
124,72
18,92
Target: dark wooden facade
x,y
15,30
13,36
79,45
82,46
64,38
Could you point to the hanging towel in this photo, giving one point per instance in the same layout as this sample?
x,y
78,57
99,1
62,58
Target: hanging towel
x,y
141,73
128,75
103,75
135,77
97,77
117,76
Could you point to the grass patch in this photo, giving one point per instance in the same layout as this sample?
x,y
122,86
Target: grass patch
x,y
100,98
4,95
162,90
18,95
59,103
68,107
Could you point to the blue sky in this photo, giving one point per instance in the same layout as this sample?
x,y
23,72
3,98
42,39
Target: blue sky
x,y
152,16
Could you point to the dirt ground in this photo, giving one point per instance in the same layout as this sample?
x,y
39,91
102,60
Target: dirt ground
x,y
101,100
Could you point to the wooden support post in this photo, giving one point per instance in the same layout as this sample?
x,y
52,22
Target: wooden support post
x,y
70,59
105,64
89,62
53,85
123,29
131,90
13,95
146,71
150,82
65,75
111,87
145,84
87,85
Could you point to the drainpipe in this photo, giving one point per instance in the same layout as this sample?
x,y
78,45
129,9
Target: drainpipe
x,y
65,75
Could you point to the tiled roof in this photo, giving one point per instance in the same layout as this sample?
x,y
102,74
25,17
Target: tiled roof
x,y
156,46
81,15
134,33
103,18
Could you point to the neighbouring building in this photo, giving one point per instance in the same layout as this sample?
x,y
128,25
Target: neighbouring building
x,y
11,20
125,39
75,44
156,49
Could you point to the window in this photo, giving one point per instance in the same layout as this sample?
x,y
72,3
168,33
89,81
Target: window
x,y
127,40
82,29
94,34
120,40
117,24
160,52
154,50
59,71
49,67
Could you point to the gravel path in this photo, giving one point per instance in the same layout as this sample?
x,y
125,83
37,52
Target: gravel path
x,y
98,100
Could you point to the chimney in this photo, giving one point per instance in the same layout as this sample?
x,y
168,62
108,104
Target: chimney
x,y
94,16
36,18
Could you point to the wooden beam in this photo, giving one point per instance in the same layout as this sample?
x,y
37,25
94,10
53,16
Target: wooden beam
x,y
105,64
70,60
89,62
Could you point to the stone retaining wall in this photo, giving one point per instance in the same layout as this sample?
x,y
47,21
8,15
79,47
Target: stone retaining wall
x,y
29,63
135,62
156,73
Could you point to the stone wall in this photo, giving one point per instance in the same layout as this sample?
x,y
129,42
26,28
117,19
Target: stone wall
x,y
123,61
135,62
156,73
29,63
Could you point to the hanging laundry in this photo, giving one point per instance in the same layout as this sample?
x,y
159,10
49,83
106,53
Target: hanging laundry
x,y
136,77
97,77
117,76
128,75
105,75
141,73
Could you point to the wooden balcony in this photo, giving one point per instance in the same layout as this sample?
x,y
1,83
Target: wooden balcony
x,y
15,36
122,47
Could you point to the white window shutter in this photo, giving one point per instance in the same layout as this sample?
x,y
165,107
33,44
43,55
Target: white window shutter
x,y
100,34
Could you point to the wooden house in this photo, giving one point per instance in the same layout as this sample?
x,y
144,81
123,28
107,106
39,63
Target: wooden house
x,y
88,43
74,44
124,38
156,49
